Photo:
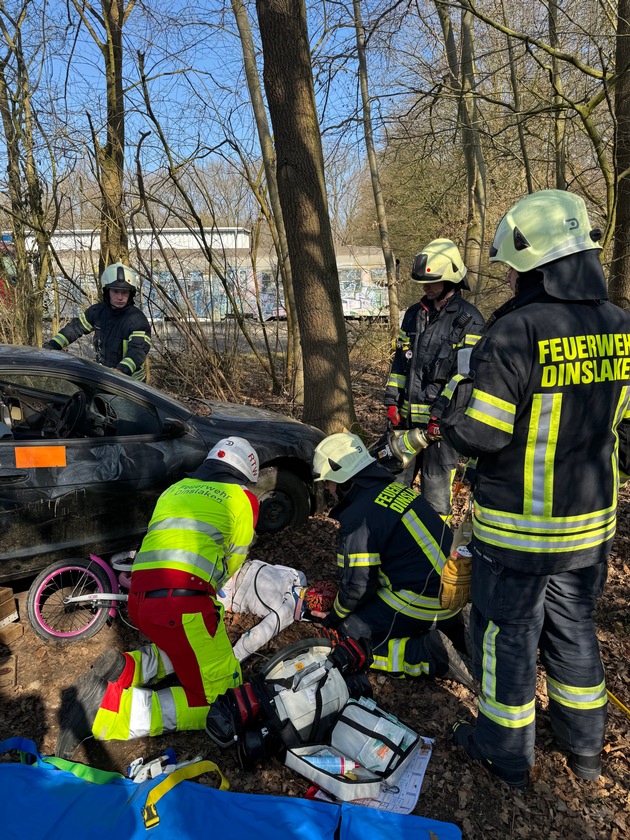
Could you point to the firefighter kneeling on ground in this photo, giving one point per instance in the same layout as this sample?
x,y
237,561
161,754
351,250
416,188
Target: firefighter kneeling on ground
x,y
392,550
197,538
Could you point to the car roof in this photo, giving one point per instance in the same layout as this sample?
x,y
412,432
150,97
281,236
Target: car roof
x,y
15,357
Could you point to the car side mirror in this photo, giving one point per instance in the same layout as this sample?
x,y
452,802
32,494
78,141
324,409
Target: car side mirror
x,y
172,428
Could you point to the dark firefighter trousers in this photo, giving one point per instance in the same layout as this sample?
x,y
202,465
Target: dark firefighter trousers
x,y
401,645
513,615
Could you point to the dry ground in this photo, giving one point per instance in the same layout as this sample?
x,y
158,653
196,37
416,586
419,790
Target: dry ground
x,y
556,805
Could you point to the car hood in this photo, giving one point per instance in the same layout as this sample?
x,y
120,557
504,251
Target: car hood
x,y
273,435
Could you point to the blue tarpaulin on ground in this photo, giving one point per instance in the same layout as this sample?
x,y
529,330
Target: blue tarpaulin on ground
x,y
41,801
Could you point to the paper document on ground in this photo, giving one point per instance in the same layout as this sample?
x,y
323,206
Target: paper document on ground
x,y
403,797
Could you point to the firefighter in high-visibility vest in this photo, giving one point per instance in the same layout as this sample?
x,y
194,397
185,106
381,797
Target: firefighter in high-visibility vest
x,y
546,409
392,549
425,358
197,538
122,334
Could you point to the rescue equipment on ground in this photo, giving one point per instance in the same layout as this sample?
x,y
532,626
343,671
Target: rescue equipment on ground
x,y
377,743
294,700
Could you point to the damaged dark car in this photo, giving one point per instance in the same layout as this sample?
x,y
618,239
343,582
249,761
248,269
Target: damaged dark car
x,y
85,452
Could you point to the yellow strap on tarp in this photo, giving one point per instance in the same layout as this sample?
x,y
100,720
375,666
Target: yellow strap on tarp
x,y
190,771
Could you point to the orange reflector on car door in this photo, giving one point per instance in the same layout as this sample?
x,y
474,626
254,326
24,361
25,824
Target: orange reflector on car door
x,y
40,456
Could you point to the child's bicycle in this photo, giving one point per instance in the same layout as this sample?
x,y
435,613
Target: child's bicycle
x,y
74,599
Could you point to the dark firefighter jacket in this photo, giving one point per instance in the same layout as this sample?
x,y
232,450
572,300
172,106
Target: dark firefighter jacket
x,y
392,544
548,388
426,351
122,337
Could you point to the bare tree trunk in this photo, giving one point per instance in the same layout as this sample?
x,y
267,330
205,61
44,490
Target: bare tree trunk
x,y
295,372
379,203
25,194
516,95
619,286
291,99
473,153
559,121
110,157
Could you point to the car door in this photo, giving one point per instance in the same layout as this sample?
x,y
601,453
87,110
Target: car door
x,y
93,491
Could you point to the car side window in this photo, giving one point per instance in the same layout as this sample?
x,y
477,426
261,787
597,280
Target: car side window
x,y
32,406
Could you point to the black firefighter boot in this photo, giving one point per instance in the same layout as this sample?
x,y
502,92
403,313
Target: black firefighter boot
x,y
81,702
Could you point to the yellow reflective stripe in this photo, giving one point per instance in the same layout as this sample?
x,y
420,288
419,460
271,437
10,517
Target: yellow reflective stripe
x,y
396,380
489,660
539,524
491,410
540,543
470,340
511,717
410,604
365,559
341,611
141,334
622,412
419,411
60,337
449,388
542,439
186,561
179,523
85,323
577,697
426,541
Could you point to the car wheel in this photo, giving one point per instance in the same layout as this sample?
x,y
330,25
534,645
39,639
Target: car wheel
x,y
284,500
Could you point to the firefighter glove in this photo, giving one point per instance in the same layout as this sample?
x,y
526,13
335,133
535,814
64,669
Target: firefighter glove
x,y
455,583
351,656
393,415
51,345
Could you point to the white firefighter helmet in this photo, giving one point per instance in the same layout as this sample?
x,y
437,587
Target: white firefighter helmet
x,y
542,227
238,453
119,276
339,457
439,262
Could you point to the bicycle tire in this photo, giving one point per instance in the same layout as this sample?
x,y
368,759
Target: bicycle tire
x,y
292,650
50,618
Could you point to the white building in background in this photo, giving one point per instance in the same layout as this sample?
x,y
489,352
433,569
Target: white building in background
x,y
177,279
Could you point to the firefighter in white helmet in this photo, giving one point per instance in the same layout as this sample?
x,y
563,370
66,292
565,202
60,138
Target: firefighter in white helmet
x,y
197,538
546,410
391,552
122,335
431,333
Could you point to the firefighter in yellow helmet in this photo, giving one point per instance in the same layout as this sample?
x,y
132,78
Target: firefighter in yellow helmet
x,y
431,333
197,539
546,410
122,335
391,552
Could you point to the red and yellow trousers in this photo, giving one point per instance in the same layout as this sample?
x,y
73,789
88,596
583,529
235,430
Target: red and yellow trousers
x,y
189,639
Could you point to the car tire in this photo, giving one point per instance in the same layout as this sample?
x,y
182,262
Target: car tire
x,y
284,499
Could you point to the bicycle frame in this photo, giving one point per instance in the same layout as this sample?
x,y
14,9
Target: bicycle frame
x,y
115,595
